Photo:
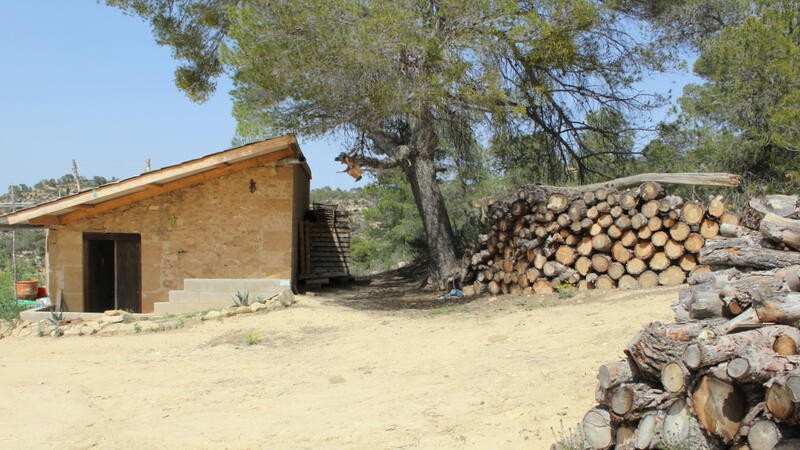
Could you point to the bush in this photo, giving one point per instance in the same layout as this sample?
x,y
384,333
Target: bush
x,y
9,309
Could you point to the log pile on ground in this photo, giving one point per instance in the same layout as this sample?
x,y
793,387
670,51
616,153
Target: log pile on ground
x,y
726,374
597,236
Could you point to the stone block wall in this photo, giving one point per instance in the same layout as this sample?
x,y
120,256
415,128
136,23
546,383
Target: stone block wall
x,y
216,229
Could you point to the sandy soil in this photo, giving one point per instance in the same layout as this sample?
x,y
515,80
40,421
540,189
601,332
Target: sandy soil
x,y
334,371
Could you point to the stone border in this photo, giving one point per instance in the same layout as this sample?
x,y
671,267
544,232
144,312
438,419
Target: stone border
x,y
117,322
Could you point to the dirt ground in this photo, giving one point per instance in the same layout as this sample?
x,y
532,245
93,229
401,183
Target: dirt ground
x,y
370,368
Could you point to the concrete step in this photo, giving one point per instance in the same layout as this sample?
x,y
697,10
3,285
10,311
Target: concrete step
x,y
220,298
230,285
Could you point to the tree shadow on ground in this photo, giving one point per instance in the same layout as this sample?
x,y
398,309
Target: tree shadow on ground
x,y
397,289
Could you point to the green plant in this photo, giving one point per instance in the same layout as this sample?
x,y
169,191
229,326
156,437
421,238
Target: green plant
x,y
56,317
137,328
252,338
566,289
241,298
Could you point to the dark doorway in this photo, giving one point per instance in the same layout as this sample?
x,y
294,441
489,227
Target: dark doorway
x,y
112,275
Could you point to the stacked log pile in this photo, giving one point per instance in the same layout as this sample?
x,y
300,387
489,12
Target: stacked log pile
x,y
726,374
593,237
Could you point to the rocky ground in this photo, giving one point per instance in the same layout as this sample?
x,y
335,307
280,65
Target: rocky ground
x,y
373,367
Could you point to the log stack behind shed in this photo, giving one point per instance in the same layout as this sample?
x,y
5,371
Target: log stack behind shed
x,y
602,238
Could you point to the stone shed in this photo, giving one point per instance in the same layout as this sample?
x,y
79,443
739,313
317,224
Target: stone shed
x,y
214,225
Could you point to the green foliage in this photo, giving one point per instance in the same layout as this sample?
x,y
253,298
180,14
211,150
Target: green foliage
x,y
744,117
566,289
241,298
9,308
252,338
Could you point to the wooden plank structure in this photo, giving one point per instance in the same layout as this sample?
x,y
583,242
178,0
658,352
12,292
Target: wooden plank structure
x,y
324,245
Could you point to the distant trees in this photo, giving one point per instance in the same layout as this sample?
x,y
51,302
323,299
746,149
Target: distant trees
x,y
745,117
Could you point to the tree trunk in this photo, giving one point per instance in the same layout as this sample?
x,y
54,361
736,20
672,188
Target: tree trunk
x,y
421,174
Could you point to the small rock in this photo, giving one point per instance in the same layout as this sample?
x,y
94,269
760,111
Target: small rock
x,y
116,312
94,325
26,331
114,319
73,331
255,307
227,312
243,310
284,298
212,315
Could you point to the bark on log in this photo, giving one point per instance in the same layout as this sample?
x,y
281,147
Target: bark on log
x,y
600,189
706,304
651,350
759,365
781,229
648,431
778,307
613,374
636,396
710,352
745,252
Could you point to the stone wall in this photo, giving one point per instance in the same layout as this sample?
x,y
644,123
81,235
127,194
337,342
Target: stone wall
x,y
216,229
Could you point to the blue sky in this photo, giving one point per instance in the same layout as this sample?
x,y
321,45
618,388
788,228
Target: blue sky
x,y
83,81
